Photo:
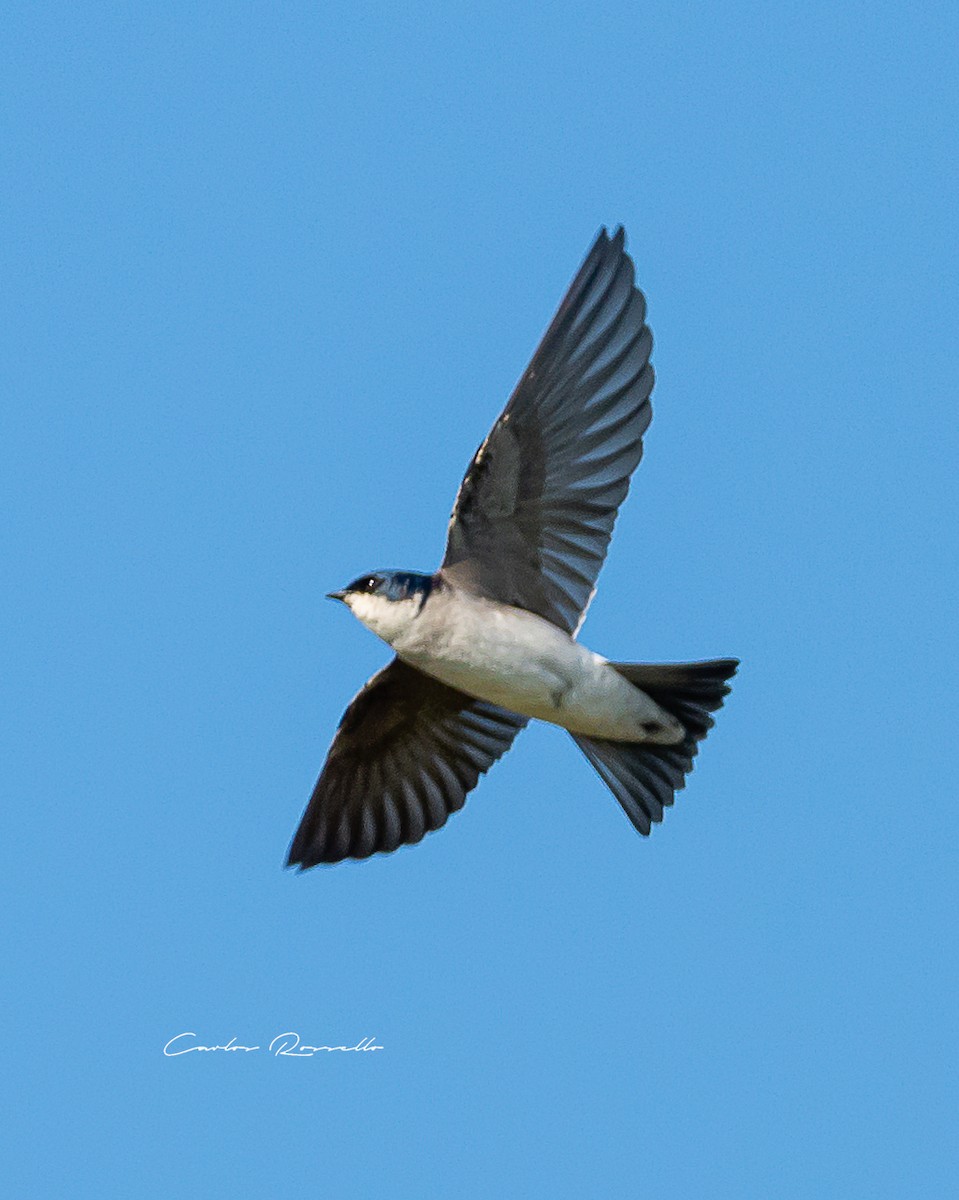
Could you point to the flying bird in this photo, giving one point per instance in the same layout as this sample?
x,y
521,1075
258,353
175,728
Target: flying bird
x,y
488,641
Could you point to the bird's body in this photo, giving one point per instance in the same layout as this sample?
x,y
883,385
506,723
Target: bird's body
x,y
515,659
488,642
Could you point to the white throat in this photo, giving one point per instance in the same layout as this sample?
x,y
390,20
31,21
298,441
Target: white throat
x,y
388,619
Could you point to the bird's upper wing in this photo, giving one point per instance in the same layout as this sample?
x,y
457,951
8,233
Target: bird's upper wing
x,y
407,752
535,512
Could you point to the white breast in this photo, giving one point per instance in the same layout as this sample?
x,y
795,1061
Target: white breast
x,y
515,659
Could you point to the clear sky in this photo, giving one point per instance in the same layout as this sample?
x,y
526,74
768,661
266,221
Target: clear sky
x,y
269,273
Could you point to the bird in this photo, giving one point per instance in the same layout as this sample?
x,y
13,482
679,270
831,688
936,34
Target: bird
x,y
488,642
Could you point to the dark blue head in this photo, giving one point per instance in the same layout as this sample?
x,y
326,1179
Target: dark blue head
x,y
387,601
392,585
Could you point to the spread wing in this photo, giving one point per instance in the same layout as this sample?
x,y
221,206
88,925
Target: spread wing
x,y
535,512
406,754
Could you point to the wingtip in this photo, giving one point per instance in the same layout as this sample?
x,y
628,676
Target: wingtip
x,y
298,856
306,862
615,240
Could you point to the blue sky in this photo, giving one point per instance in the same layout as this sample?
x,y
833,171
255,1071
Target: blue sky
x,y
269,275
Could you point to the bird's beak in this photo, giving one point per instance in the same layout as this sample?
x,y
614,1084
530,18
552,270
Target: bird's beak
x,y
336,595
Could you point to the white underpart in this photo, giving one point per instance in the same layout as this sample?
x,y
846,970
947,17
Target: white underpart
x,y
515,659
582,615
386,618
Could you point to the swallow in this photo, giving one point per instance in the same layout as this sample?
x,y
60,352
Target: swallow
x,y
489,641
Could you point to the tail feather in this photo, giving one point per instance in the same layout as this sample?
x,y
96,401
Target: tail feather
x,y
643,777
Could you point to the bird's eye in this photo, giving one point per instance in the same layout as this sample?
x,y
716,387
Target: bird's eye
x,y
370,583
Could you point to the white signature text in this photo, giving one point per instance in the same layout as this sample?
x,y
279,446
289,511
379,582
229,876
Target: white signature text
x,y
284,1045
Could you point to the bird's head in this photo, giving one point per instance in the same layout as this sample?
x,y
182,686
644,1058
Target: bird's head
x,y
386,601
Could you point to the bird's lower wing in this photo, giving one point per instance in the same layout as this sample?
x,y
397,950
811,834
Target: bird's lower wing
x,y
406,754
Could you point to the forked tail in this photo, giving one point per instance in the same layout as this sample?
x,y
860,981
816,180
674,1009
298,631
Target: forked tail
x,y
642,776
